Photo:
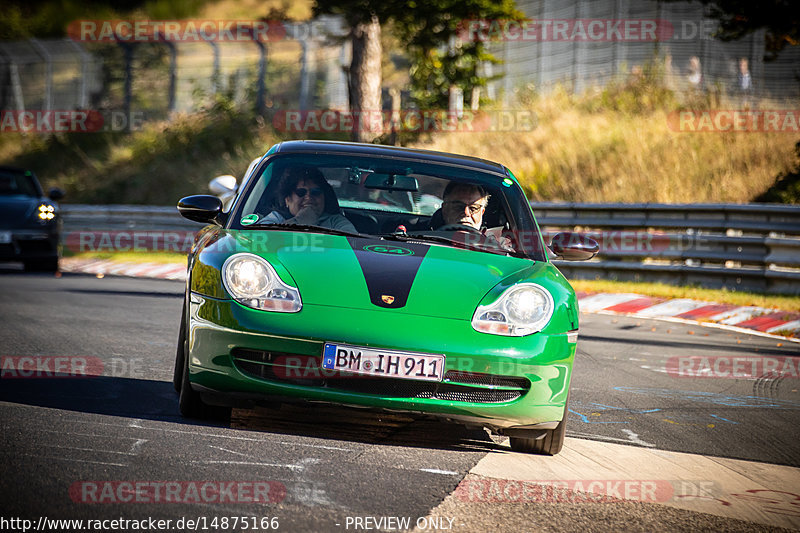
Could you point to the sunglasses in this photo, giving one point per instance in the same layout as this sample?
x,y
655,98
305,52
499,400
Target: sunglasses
x,y
460,206
301,192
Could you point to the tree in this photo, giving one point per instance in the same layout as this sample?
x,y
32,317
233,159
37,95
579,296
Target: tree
x,y
437,36
364,74
424,27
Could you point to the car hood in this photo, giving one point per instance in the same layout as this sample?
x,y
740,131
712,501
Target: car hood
x,y
16,210
365,273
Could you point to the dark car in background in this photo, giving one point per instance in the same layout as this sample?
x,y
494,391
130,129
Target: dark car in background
x,y
30,224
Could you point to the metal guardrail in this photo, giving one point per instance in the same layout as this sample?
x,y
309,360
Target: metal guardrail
x,y
754,247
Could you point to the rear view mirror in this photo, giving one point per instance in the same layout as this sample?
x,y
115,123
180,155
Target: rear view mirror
x,y
391,182
574,246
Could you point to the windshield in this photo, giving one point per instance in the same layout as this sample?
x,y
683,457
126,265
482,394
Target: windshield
x,y
392,199
17,183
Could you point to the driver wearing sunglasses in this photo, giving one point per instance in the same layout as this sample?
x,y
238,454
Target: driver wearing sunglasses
x,y
305,198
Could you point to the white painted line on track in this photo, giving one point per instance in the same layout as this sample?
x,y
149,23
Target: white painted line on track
x,y
634,438
436,471
70,460
136,424
80,449
251,463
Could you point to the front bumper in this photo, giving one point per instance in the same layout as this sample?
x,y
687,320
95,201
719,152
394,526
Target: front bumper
x,y
245,355
28,244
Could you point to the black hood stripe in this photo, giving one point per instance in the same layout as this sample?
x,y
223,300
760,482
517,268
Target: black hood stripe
x,y
388,269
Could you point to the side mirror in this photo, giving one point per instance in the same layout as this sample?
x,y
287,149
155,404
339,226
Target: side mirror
x,y
222,185
56,194
574,246
202,208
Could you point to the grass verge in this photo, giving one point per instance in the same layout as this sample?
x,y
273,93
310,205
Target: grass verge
x,y
131,257
592,148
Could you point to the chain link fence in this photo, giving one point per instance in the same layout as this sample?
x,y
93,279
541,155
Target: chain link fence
x,y
691,57
302,70
306,68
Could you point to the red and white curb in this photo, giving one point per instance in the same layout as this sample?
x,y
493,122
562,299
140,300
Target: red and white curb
x,y
738,318
733,317
102,267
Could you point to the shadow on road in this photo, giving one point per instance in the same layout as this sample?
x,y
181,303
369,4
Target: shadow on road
x,y
158,401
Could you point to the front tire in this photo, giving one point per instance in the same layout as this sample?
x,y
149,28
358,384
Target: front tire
x,y
190,402
549,444
177,373
42,265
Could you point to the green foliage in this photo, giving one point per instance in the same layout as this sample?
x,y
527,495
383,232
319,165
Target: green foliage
x,y
156,165
439,58
23,19
642,91
786,189
427,30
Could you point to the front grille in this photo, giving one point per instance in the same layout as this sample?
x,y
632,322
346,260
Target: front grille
x,y
489,380
304,370
35,246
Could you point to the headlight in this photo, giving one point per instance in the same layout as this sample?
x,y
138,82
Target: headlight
x,y
521,310
46,212
253,282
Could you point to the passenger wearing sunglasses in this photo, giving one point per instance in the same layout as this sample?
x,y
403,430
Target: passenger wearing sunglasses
x,y
305,198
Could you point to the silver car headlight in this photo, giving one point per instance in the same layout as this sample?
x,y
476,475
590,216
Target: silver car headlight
x,y
253,282
522,309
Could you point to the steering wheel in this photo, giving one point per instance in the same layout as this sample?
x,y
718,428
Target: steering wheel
x,y
459,227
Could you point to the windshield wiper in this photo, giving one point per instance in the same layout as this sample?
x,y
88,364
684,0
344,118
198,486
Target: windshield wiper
x,y
308,228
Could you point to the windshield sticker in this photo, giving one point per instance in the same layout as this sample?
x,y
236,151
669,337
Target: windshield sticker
x,y
249,219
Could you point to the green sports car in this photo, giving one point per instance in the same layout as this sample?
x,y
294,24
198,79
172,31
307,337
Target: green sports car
x,y
392,278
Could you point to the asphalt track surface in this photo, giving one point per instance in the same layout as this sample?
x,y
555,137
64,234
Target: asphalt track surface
x,y
334,463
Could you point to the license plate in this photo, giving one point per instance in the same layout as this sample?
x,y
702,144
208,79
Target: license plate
x,y
383,363
5,237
